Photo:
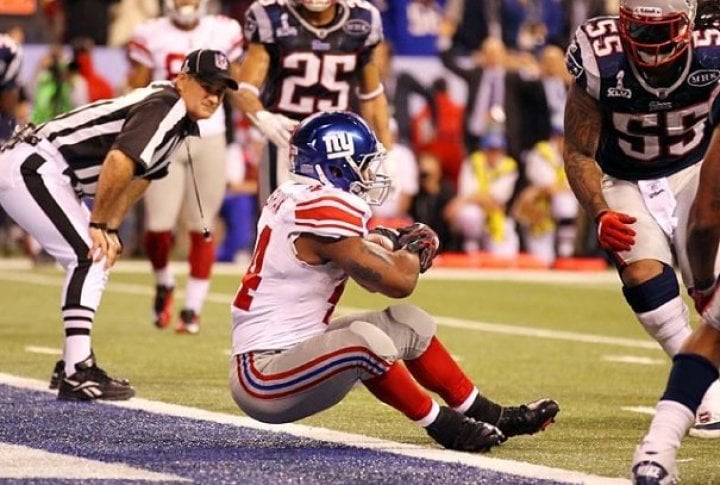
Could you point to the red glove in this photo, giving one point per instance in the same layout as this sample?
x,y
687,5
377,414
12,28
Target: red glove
x,y
613,231
421,240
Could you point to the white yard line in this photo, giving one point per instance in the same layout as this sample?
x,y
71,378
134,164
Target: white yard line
x,y
226,298
25,463
321,434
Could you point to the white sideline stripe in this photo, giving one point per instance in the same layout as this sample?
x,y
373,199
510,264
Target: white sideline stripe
x,y
640,409
226,298
43,350
23,463
320,434
634,359
481,274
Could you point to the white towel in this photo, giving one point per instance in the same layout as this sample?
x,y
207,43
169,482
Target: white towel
x,y
661,203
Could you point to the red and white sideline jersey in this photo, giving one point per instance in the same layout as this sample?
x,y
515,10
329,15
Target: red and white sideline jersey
x,y
161,46
283,301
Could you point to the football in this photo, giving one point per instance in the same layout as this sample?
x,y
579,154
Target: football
x,y
380,240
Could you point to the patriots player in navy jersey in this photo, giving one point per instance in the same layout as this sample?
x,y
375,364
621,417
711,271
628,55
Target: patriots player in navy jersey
x,y
636,132
305,56
10,61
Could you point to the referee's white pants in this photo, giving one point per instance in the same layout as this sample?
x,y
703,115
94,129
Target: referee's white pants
x,y
38,196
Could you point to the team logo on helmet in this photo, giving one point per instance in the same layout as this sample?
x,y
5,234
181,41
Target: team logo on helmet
x,y
339,145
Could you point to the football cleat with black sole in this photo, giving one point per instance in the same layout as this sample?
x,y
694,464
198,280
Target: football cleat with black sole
x,y
189,322
90,382
455,431
163,305
57,374
527,418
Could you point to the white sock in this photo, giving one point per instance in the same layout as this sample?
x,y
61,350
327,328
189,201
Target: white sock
x,y
669,324
195,294
711,400
165,277
462,408
77,349
669,426
430,417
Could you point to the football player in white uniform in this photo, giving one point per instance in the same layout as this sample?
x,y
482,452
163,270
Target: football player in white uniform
x,y
305,56
291,359
156,51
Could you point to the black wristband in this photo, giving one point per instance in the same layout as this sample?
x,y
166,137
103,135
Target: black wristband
x,y
112,231
98,225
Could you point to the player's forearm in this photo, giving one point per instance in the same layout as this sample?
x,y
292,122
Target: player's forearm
x,y
375,111
132,194
116,175
582,127
245,100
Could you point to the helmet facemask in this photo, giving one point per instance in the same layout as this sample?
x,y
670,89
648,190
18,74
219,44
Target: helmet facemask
x,y
653,38
185,15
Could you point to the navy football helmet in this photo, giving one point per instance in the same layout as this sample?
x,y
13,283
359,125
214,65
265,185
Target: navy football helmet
x,y
339,149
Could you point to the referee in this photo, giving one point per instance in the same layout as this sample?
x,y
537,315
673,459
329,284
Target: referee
x,y
109,150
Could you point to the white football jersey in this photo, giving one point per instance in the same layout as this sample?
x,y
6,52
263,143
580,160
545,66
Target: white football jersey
x,y
161,46
283,301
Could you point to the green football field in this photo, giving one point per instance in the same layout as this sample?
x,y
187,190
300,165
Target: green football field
x,y
518,335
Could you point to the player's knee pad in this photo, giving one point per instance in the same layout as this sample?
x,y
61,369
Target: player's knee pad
x,y
417,319
374,339
654,292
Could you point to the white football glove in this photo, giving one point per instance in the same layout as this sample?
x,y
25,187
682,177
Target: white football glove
x,y
276,127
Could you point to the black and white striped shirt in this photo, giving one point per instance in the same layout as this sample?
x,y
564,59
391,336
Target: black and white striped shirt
x,y
147,125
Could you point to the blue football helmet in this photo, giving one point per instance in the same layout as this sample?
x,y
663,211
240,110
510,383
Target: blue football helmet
x,y
339,149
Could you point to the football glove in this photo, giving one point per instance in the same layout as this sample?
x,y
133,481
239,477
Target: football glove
x,y
391,234
420,239
276,127
613,231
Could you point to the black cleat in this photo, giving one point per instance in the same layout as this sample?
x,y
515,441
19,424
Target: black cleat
x,y
189,322
163,305
528,418
57,374
90,382
455,431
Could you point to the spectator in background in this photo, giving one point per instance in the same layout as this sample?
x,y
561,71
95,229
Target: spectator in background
x,y
86,19
98,86
480,210
546,209
467,24
128,14
411,27
428,205
401,166
438,129
59,87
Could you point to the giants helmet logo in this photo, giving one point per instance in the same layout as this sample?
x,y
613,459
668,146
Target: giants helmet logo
x,y
339,145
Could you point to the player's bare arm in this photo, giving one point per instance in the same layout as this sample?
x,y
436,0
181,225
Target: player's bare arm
x,y
132,194
393,274
375,108
582,131
251,74
704,225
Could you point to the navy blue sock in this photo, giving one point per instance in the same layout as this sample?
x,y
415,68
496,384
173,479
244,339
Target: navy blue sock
x,y
690,377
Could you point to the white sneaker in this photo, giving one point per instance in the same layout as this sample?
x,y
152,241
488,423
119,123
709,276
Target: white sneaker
x,y
707,425
652,467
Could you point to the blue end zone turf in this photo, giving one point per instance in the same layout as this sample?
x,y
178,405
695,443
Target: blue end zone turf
x,y
206,452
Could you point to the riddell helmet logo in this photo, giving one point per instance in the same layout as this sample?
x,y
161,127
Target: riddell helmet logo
x,y
339,145
647,11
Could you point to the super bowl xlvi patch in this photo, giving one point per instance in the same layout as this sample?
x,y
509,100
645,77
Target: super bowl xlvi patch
x,y
285,29
356,27
703,77
619,91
